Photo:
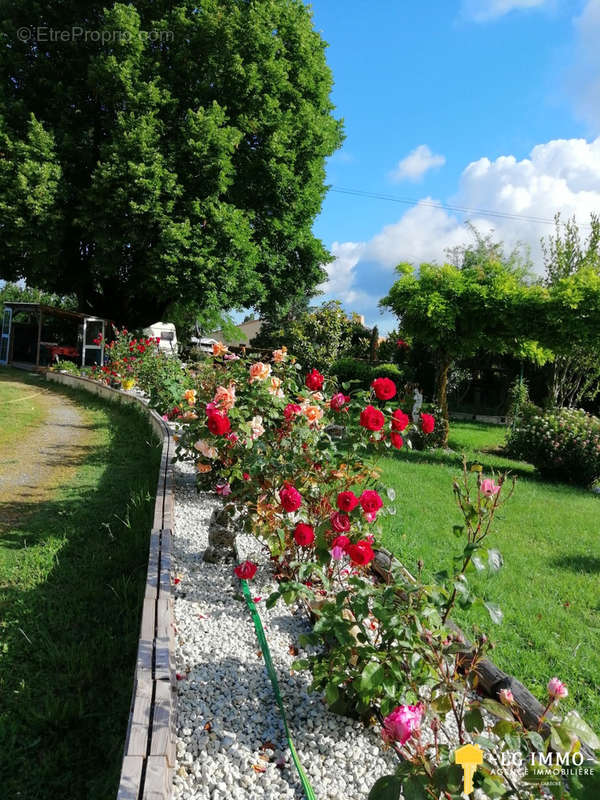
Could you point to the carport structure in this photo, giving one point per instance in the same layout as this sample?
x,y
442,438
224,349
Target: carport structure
x,y
36,335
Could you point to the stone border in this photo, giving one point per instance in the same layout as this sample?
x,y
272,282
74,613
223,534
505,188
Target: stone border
x,y
149,752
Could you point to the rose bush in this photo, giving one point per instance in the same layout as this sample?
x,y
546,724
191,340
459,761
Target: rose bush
x,y
563,444
299,458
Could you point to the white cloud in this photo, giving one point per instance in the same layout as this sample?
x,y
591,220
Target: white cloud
x,y
560,175
416,164
486,10
584,75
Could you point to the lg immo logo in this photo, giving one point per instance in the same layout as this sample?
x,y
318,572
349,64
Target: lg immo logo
x,y
552,766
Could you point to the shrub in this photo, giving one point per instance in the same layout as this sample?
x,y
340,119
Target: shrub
x,y
66,366
563,444
390,371
352,369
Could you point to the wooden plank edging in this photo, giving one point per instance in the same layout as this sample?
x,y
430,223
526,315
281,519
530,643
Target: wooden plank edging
x,y
149,752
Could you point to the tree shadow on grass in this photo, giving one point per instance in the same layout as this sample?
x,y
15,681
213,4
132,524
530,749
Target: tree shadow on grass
x,y
69,608
589,565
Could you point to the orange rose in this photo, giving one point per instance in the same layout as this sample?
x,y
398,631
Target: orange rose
x,y
219,349
312,413
275,387
190,397
280,355
225,397
259,371
203,468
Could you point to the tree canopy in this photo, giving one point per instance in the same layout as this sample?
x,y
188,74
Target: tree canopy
x,y
481,303
178,157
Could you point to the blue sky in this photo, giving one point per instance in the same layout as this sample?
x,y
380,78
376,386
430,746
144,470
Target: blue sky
x,y
487,104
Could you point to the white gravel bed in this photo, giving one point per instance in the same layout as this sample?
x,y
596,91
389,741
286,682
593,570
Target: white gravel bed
x,y
228,723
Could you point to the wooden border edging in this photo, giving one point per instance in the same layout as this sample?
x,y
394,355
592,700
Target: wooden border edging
x,y
149,752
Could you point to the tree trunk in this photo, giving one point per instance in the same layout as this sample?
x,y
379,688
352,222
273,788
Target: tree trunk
x,y
442,396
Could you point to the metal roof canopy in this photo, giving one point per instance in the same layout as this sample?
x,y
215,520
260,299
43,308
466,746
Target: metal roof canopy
x,y
52,310
40,310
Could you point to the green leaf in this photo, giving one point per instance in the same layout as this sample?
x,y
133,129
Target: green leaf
x,y
474,720
476,468
387,788
458,530
300,663
497,709
372,676
332,693
415,788
495,612
573,723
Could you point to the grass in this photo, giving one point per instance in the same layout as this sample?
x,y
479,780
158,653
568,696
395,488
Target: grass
x,y
23,407
72,576
548,535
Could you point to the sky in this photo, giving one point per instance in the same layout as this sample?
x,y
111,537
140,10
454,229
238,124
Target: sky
x,y
486,105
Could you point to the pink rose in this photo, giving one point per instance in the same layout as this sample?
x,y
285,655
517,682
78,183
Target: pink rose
x,y
340,522
338,401
291,410
291,499
402,723
489,488
557,689
506,697
223,489
339,546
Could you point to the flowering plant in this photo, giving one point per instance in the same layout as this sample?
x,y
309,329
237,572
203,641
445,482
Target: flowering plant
x,y
563,444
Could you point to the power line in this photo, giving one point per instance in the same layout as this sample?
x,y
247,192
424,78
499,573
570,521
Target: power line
x,y
444,206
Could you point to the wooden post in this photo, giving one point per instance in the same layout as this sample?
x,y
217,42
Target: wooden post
x,y
39,339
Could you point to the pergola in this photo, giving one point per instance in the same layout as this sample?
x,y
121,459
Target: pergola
x,y
37,335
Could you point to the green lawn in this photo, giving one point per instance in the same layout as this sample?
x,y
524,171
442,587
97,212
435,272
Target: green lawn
x,y
549,537
22,406
72,575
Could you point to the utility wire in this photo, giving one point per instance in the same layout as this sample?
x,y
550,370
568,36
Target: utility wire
x,y
445,206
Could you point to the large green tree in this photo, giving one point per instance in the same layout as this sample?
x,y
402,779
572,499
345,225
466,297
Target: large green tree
x,y
482,303
181,164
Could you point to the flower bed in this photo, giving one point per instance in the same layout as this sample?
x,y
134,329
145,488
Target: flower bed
x,y
295,463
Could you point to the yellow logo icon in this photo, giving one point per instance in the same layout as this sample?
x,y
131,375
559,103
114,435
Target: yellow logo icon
x,y
469,757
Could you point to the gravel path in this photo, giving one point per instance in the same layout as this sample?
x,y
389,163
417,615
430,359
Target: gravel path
x,y
230,737
40,461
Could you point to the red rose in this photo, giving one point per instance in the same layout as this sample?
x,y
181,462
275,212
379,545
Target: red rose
x,y
370,501
427,423
372,418
246,571
347,501
338,401
218,424
400,420
402,344
360,553
291,499
384,388
396,440
304,535
314,380
246,476
340,522
291,410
